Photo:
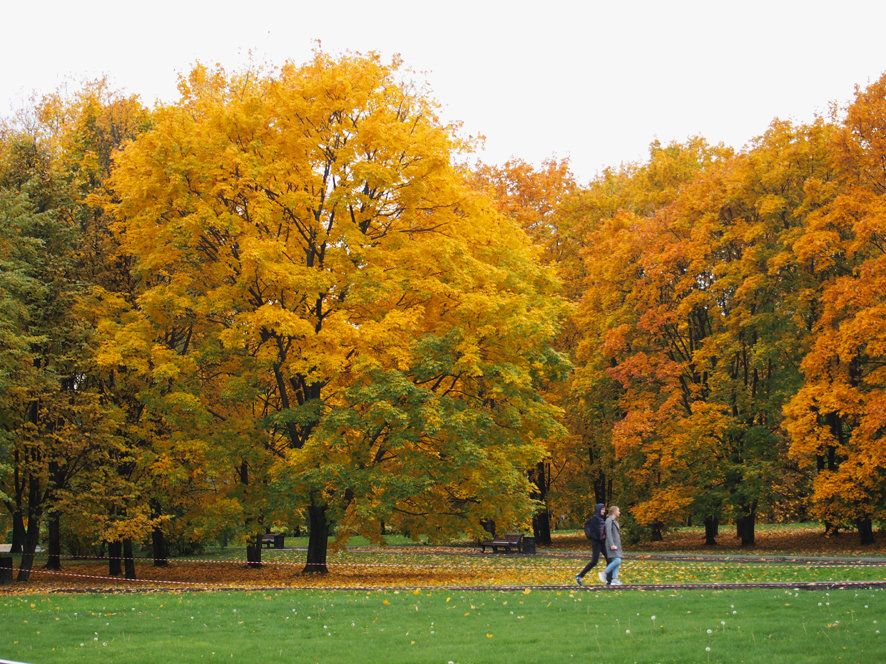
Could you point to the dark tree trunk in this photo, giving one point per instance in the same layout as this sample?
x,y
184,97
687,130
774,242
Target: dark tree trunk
x,y
54,545
253,551
159,544
32,537
541,527
318,539
128,559
657,531
18,517
865,530
599,479
600,485
745,528
160,547
18,531
541,520
711,530
32,534
831,529
115,558
253,544
27,561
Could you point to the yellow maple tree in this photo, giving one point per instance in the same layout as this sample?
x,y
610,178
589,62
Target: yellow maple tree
x,y
368,332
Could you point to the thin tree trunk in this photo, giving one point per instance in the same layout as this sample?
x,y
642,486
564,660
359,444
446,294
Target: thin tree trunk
x,y
541,520
253,544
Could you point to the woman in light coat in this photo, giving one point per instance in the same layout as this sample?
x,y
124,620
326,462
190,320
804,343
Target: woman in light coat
x,y
609,576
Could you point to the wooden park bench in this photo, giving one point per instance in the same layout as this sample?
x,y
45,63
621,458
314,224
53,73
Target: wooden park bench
x,y
268,539
509,542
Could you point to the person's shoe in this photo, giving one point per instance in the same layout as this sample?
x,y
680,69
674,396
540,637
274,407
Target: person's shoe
x,y
578,579
602,577
616,582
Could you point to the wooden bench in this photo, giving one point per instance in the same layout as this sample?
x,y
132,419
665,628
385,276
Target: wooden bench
x,y
511,541
268,539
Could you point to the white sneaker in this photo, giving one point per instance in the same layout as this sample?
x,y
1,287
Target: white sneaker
x,y
602,577
616,582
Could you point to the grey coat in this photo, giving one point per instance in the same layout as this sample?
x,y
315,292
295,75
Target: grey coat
x,y
613,537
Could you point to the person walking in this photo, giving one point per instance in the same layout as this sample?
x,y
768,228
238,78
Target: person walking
x,y
609,576
594,530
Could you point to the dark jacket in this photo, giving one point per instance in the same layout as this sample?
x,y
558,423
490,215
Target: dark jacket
x,y
597,523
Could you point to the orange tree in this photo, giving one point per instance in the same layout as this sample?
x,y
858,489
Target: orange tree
x,y
613,220
837,420
692,311
363,330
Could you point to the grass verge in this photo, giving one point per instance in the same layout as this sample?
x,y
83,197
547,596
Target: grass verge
x,y
442,626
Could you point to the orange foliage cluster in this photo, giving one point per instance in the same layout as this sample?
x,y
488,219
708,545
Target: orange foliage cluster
x,y
730,333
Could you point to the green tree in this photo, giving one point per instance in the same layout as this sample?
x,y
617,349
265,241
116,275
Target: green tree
x,y
51,416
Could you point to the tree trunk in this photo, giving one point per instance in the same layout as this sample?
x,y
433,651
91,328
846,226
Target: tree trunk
x,y
159,543
745,528
711,530
18,531
541,520
160,547
32,537
253,544
115,558
657,534
541,527
54,545
253,551
318,539
865,530
128,559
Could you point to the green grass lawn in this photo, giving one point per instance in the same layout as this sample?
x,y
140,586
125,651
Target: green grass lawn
x,y
446,626
433,624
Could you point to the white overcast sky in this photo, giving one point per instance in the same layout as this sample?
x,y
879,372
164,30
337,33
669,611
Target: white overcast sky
x,y
592,81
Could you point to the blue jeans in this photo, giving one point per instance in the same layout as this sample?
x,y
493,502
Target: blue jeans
x,y
612,568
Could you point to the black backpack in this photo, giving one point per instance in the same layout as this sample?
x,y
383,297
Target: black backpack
x,y
588,528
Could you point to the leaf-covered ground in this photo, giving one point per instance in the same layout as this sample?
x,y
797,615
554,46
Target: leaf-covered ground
x,y
422,566
787,539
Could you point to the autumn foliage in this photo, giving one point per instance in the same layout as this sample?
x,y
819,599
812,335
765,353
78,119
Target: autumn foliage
x,y
285,301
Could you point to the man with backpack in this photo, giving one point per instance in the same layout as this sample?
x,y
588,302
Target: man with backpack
x,y
594,531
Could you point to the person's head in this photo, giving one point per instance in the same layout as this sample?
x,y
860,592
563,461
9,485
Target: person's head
x,y
614,511
601,509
